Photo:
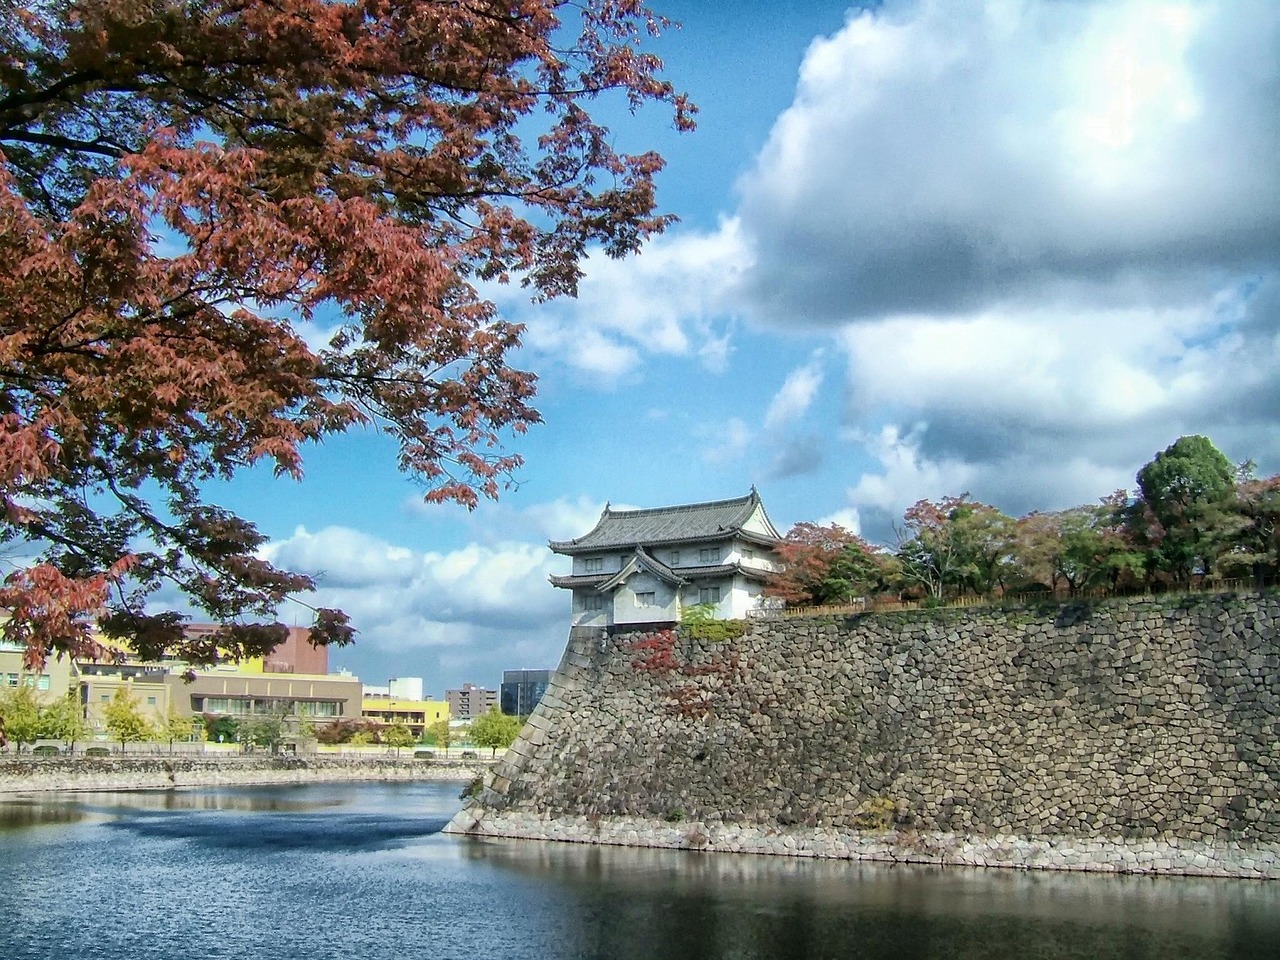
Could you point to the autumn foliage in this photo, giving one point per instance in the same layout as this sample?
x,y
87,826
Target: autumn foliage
x,y
1194,519
231,228
825,564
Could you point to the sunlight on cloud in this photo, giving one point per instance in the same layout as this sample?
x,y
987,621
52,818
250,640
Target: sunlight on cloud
x,y
446,596
848,517
796,394
906,474
671,298
939,155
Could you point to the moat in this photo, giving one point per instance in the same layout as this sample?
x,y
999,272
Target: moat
x,y
362,870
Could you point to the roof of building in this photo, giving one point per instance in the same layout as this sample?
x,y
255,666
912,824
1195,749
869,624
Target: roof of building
x,y
692,522
676,576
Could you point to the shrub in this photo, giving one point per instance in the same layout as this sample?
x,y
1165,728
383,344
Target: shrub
x,y
424,754
97,752
699,623
46,750
875,815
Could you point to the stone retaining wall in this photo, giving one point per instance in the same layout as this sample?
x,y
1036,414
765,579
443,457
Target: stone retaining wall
x,y
1130,735
43,774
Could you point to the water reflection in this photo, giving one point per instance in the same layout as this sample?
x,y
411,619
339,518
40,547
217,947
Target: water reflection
x,y
725,906
16,814
363,871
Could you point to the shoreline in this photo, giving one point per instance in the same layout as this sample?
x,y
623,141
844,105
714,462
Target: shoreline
x,y
1115,855
91,774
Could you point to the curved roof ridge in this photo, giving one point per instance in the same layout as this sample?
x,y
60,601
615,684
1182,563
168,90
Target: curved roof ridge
x,y
672,524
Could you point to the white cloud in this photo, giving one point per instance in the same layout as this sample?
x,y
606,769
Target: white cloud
x,y
795,395
725,443
905,475
847,517
399,598
564,519
670,299
940,154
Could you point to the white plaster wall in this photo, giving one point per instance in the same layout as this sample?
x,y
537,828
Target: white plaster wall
x,y
612,563
626,609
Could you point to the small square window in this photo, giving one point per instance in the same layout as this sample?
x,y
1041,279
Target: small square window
x,y
151,701
675,557
646,598
593,564
593,603
709,555
708,594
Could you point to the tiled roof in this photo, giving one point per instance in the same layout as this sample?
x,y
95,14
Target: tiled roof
x,y
665,525
722,570
580,580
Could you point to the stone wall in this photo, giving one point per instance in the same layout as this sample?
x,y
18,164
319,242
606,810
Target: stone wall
x,y
1121,735
62,774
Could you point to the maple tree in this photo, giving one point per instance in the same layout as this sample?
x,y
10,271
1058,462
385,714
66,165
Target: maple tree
x,y
825,563
189,189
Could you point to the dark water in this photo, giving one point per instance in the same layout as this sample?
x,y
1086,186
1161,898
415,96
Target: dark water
x,y
361,872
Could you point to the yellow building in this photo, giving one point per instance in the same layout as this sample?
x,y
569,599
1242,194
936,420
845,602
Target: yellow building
x,y
417,715
53,681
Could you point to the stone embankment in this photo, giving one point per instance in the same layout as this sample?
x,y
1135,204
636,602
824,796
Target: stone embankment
x,y
1128,735
79,774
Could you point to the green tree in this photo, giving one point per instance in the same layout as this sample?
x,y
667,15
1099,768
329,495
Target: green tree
x,y
440,734
64,720
177,727
219,728
1255,551
1186,513
398,736
125,720
495,730
266,731
953,545
20,710
185,184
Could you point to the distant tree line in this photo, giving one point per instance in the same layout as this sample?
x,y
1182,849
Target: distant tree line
x,y
1194,518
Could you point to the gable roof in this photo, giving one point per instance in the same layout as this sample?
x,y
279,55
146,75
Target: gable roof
x,y
714,520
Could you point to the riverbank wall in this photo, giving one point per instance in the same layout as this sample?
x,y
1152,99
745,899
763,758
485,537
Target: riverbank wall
x,y
22,775
1130,735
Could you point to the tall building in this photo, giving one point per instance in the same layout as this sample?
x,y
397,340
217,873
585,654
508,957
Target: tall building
x,y
521,690
405,688
295,655
469,701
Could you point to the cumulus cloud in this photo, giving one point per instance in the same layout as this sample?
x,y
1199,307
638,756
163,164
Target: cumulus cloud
x,y
1046,237
795,395
402,599
939,155
673,298
847,517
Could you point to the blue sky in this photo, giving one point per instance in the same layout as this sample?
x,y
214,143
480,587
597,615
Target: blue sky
x,y
1008,247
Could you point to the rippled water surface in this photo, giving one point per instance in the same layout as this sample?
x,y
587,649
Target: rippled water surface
x,y
362,872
